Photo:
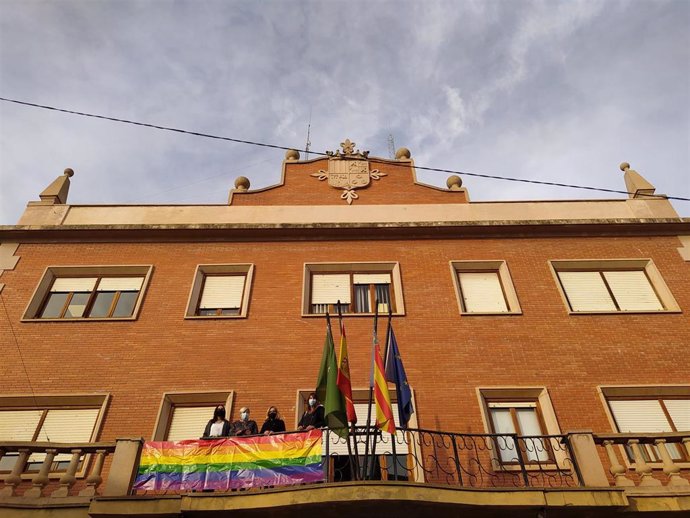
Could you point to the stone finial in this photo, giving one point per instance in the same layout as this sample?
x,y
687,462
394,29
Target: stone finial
x,y
242,183
292,154
454,182
402,153
56,192
635,183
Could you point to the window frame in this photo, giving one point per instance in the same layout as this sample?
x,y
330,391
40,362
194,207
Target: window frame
x,y
170,400
353,268
499,267
41,294
646,265
196,291
46,402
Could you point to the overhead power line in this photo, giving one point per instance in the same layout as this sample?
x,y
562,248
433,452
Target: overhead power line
x,y
286,148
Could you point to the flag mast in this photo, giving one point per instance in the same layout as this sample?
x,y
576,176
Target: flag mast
x,y
371,395
354,466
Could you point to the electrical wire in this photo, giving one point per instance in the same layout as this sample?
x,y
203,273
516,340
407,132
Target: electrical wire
x,y
286,148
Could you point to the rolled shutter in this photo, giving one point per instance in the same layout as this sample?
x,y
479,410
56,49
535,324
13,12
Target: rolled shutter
x,y
68,284
120,284
586,291
330,288
189,422
66,425
19,425
222,292
679,409
632,291
644,415
371,278
482,292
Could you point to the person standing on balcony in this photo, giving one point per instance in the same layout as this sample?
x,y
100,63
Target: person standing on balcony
x,y
273,423
313,416
245,426
218,426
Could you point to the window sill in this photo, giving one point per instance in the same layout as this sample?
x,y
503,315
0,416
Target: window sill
x,y
491,314
118,319
348,315
214,317
638,312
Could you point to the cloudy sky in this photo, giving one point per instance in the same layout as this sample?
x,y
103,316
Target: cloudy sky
x,y
555,91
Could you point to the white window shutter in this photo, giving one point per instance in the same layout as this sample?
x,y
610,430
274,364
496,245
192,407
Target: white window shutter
x,y
586,291
679,409
371,278
189,422
66,425
221,291
120,284
632,291
482,292
330,288
644,415
67,284
19,425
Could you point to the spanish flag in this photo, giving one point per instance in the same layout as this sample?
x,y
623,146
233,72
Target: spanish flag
x,y
343,380
384,412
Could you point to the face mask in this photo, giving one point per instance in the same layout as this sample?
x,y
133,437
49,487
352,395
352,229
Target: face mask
x,y
312,401
272,415
244,416
220,412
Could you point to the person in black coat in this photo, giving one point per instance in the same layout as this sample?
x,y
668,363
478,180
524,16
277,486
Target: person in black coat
x,y
273,423
218,426
313,416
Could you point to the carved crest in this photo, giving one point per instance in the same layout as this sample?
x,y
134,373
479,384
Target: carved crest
x,y
348,171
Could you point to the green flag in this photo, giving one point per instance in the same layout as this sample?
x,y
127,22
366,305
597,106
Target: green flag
x,y
327,388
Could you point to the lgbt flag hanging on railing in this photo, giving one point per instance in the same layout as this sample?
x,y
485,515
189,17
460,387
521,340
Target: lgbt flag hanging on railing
x,y
231,463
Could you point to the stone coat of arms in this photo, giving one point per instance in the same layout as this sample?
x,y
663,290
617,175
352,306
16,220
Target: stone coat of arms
x,y
348,171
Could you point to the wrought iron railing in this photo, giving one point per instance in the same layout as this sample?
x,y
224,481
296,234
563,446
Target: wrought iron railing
x,y
465,460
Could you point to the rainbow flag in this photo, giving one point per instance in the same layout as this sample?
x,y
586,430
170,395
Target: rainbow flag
x,y
231,463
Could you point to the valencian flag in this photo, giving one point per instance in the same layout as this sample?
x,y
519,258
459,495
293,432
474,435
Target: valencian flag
x,y
395,373
384,412
327,387
344,383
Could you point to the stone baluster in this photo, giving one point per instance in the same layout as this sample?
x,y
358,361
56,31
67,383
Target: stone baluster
x,y
70,477
94,479
641,467
617,469
41,480
671,469
15,477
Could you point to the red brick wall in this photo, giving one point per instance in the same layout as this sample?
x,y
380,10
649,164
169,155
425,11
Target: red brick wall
x,y
268,356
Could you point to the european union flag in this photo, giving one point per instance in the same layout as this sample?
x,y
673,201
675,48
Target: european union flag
x,y
395,373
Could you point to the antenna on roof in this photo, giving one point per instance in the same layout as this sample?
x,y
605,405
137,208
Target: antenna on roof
x,y
391,146
306,147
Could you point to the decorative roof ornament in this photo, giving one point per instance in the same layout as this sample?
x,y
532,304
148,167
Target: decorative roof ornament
x,y
348,171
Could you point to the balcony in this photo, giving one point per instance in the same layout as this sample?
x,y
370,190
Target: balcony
x,y
413,473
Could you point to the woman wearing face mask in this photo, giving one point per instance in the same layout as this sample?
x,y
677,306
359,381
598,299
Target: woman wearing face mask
x,y
273,423
245,426
218,426
313,416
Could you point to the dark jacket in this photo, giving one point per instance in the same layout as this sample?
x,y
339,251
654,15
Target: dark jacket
x,y
273,425
315,418
224,433
241,428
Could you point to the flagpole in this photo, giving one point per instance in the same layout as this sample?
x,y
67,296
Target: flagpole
x,y
354,466
371,395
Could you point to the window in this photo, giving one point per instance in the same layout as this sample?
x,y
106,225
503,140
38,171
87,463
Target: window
x,y
89,293
357,286
484,288
184,415
220,291
60,419
526,412
613,286
661,409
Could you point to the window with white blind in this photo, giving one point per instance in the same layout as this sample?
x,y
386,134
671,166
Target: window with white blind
x,y
653,415
220,290
357,287
484,288
59,419
183,415
614,286
524,419
188,422
75,293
